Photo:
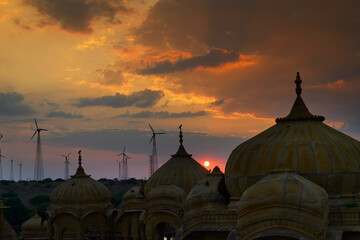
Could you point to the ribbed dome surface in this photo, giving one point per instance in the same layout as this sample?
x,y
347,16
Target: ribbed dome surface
x,y
80,189
181,170
33,224
288,189
301,142
209,191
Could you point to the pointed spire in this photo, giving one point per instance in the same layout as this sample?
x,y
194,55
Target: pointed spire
x,y
298,82
181,135
299,111
181,151
80,170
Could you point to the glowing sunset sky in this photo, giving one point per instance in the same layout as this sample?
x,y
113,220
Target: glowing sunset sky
x,y
96,72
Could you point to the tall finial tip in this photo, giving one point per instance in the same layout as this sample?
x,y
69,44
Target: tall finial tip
x,y
79,152
298,82
181,135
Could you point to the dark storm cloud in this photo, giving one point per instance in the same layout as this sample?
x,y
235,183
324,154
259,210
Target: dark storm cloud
x,y
61,114
161,114
244,25
141,99
318,38
77,15
214,58
12,104
137,141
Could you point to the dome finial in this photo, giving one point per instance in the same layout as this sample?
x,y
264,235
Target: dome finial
x,y
298,82
181,135
79,152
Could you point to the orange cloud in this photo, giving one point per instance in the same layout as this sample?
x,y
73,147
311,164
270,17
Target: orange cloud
x,y
332,85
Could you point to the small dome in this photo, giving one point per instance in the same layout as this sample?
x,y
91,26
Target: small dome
x,y
165,191
181,170
134,198
208,192
283,202
300,141
80,189
6,231
33,228
287,188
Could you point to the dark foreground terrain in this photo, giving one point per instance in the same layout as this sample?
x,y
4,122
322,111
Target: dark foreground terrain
x,y
25,196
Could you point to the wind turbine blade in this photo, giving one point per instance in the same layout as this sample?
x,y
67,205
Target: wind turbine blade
x,y
160,133
42,129
153,136
36,124
68,154
34,134
151,128
120,154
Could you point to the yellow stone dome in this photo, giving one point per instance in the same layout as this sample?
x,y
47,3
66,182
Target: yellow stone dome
x,y
134,198
32,228
284,202
300,141
208,192
181,170
80,189
6,231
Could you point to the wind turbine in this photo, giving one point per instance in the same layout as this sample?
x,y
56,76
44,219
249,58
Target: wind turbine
x,y
20,172
153,157
66,174
39,169
119,174
12,170
1,156
124,163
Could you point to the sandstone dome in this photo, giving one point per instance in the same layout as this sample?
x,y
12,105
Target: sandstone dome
x,y
181,170
285,204
300,141
208,192
80,189
32,228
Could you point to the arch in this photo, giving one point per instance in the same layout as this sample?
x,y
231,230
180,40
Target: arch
x,y
156,219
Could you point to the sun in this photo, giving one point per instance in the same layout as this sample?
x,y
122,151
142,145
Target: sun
x,y
206,163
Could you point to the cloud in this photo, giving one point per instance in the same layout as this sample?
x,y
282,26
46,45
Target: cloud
x,y
137,141
61,114
319,40
110,77
161,114
214,58
78,15
141,99
12,104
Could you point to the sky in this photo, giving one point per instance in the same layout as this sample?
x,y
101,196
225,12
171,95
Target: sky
x,y
95,73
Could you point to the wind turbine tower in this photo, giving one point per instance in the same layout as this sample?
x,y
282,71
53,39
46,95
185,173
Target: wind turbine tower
x,y
12,170
20,171
119,173
124,164
1,156
153,158
39,168
66,174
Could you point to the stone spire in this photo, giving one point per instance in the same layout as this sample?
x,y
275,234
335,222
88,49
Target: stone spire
x,y
181,151
80,170
299,111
